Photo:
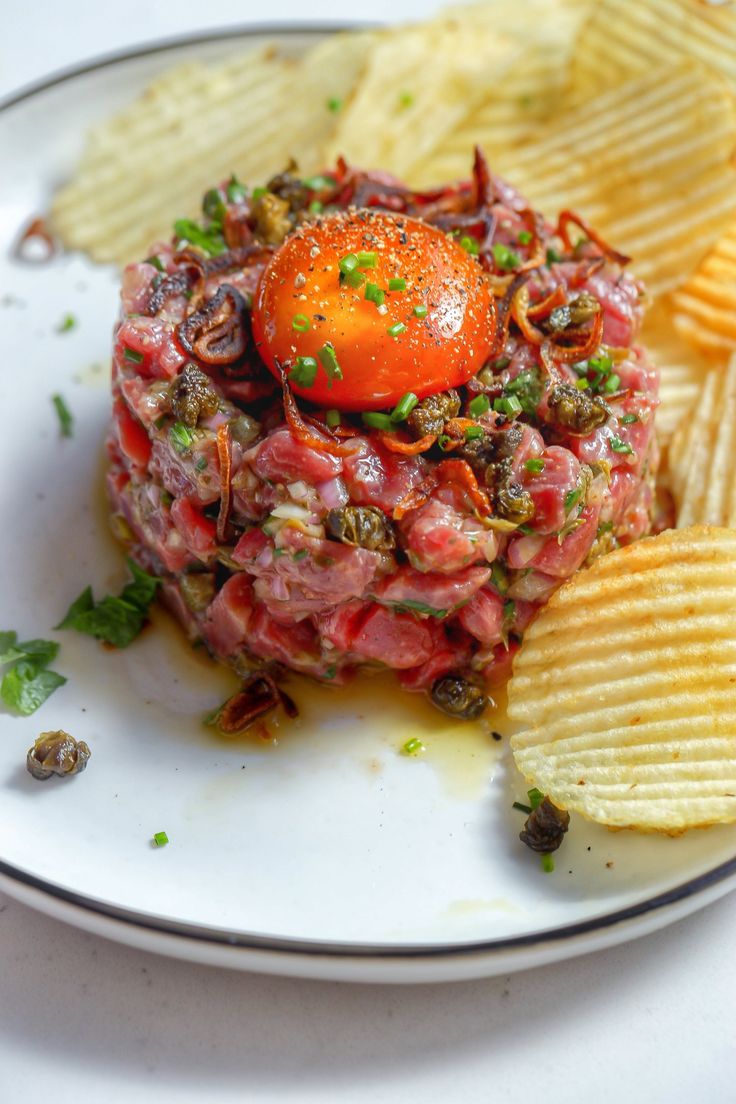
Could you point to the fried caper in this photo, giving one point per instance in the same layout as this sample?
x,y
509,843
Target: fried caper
x,y
458,697
432,413
576,411
545,827
57,753
575,313
198,589
289,187
514,504
192,396
271,214
364,526
245,429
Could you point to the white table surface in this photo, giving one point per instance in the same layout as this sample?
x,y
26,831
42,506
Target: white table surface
x,y
82,1019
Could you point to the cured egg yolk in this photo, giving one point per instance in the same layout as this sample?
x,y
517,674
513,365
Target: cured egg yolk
x,y
361,306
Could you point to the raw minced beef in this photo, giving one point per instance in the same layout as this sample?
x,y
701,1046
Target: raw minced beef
x,y
242,509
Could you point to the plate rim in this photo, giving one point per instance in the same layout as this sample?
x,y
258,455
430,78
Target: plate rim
x,y
236,940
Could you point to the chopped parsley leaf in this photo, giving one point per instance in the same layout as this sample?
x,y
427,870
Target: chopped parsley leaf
x,y
28,682
116,620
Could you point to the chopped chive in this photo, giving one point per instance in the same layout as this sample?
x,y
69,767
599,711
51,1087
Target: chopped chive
x,y
508,405
301,554
535,466
521,807
443,441
404,407
398,283
328,360
536,797
367,260
213,205
572,498
160,839
318,183
413,747
66,420
470,245
201,464
181,437
612,383
334,104
355,279
376,420
553,256
236,192
629,418
396,329
602,365
481,404
304,372
156,262
348,263
210,241
622,447
332,418
420,310
499,577
331,671
258,193
548,863
504,257
132,355
473,433
582,384
524,237
300,323
375,294
406,99
315,207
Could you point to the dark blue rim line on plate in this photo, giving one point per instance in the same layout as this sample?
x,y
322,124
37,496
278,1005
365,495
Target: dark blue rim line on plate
x,y
277,944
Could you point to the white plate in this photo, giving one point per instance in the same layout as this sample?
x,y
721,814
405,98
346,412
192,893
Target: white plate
x,y
324,854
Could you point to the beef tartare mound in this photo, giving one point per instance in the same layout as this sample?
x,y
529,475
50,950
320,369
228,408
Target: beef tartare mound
x,y
356,425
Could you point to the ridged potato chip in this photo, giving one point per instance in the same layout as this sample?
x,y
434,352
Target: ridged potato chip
x,y
627,683
705,306
531,91
626,37
194,125
418,84
648,163
702,476
682,369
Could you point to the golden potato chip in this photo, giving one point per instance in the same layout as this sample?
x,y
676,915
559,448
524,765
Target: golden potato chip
x,y
705,306
544,31
627,683
418,83
682,369
648,163
626,37
194,125
702,476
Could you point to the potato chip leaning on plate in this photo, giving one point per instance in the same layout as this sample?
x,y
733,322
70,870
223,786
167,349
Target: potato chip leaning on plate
x,y
702,477
627,681
683,370
705,306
